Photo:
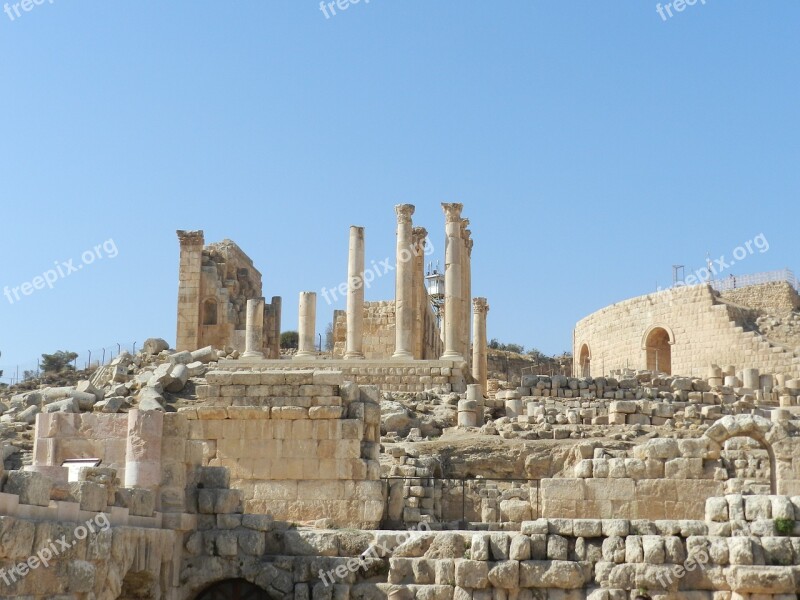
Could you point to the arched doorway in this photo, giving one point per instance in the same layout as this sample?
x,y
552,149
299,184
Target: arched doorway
x,y
748,466
233,589
584,361
657,346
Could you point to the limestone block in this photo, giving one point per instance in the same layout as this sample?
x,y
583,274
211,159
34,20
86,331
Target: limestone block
x,y
472,573
505,575
91,496
139,502
520,547
31,487
757,507
716,510
479,548
557,547
551,574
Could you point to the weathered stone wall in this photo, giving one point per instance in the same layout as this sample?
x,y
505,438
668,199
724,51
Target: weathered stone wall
x,y
394,375
700,330
299,444
379,331
778,295
215,282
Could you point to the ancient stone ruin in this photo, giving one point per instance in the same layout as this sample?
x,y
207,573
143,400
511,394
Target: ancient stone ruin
x,y
667,466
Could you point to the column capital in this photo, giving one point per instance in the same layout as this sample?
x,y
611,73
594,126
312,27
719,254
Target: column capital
x,y
190,237
418,237
469,243
404,212
452,211
464,225
357,229
480,305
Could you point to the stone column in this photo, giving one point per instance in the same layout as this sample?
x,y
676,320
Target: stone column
x,y
354,345
419,235
452,281
480,366
307,320
404,294
143,449
272,320
475,392
466,272
189,301
254,329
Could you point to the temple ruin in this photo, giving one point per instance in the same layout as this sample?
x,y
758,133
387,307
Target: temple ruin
x,y
666,467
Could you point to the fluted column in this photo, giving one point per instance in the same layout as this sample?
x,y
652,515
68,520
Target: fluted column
x,y
419,235
480,366
354,346
452,281
254,329
307,319
466,303
404,293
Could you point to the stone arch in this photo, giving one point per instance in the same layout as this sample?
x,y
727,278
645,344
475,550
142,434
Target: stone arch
x,y
773,437
657,344
585,360
233,589
210,316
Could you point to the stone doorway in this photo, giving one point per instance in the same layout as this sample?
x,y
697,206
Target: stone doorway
x,y
658,346
585,360
233,589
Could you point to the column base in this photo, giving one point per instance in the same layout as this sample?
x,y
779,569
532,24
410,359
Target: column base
x,y
253,354
403,355
354,356
452,355
305,355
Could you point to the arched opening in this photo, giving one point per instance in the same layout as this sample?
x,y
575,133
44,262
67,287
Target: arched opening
x,y
233,589
659,352
584,360
751,436
748,466
210,312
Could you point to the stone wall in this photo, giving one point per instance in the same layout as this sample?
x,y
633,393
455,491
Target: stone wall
x,y
379,331
778,295
299,444
686,328
215,282
387,375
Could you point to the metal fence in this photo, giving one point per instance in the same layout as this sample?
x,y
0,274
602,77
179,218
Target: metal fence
x,y
733,282
13,373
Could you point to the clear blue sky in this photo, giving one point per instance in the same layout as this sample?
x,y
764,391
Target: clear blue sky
x,y
593,145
